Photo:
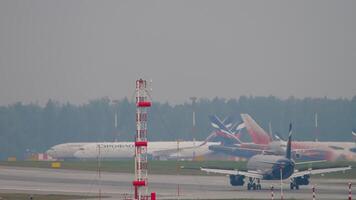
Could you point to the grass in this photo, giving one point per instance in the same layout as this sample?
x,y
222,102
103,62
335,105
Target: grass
x,y
126,166
172,167
20,196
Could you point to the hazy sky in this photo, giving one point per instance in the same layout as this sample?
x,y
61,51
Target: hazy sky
x,y
80,50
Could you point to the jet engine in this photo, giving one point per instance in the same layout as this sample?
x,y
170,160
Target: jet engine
x,y
353,149
237,180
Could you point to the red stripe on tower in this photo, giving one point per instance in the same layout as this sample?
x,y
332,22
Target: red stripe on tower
x,y
141,144
144,104
139,183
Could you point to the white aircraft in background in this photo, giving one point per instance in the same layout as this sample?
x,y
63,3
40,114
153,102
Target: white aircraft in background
x,y
157,150
117,150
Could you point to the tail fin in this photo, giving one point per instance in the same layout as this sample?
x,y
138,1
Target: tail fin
x,y
221,130
259,136
237,127
354,132
289,144
279,137
354,135
217,124
228,122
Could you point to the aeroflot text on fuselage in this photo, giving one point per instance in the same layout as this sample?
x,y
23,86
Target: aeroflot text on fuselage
x,y
115,146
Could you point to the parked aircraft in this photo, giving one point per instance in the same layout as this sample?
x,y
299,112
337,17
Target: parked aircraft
x,y
157,150
303,150
112,150
236,147
272,167
314,149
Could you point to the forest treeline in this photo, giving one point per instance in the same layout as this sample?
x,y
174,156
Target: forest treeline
x,y
28,128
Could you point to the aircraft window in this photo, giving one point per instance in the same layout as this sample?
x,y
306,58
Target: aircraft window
x,y
336,147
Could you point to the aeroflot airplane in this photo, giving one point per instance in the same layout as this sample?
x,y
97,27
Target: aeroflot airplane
x,y
328,150
263,143
115,150
272,167
246,150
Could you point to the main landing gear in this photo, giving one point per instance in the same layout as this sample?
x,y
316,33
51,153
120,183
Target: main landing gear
x,y
254,184
294,184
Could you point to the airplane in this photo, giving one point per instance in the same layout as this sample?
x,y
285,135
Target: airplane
x,y
272,167
164,150
246,150
113,150
314,149
156,150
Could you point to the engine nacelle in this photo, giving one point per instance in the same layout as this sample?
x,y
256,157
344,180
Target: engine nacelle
x,y
237,180
303,180
353,149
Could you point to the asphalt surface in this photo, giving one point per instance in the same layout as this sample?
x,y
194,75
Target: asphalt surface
x,y
119,185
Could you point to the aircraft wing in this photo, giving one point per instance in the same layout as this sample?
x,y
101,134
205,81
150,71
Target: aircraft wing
x,y
173,152
169,152
232,172
237,148
319,171
269,151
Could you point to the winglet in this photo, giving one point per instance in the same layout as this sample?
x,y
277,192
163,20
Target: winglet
x,y
354,132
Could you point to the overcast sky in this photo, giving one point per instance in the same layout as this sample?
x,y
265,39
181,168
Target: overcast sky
x,y
80,50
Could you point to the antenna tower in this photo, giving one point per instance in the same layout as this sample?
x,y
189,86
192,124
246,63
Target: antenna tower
x,y
141,165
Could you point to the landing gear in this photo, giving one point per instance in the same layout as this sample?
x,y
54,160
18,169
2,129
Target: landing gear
x,y
252,185
294,184
248,186
259,187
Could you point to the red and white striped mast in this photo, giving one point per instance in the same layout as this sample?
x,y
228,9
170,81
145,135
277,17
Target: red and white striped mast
x,y
141,165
